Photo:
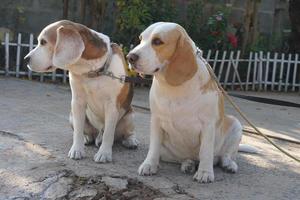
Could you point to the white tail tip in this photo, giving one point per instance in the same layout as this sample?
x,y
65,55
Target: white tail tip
x,y
247,149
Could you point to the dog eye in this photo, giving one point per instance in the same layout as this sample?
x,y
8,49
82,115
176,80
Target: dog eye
x,y
43,42
157,42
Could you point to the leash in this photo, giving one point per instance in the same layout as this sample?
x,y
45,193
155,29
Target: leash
x,y
265,100
211,72
103,71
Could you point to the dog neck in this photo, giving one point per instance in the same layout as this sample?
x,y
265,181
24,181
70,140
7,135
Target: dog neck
x,y
84,66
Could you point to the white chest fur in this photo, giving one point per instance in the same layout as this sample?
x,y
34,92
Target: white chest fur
x,y
183,112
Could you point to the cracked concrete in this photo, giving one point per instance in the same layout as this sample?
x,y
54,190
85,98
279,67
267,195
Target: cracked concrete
x,y
35,138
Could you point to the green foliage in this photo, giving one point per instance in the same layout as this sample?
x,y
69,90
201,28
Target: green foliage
x,y
267,43
194,19
209,32
134,16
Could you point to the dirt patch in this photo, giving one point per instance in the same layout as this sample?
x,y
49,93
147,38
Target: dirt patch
x,y
67,185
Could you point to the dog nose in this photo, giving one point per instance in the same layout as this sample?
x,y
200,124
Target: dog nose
x,y
132,58
26,59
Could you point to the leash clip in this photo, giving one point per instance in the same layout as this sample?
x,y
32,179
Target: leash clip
x,y
92,74
122,79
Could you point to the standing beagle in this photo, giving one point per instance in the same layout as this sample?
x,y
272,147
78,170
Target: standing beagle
x,y
188,123
101,106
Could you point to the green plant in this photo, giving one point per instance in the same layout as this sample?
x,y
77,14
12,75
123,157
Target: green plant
x,y
133,17
267,43
194,19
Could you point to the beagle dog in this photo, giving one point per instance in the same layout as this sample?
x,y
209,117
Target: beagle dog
x,y
101,106
188,123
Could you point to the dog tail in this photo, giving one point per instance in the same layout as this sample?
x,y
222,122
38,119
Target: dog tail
x,y
247,149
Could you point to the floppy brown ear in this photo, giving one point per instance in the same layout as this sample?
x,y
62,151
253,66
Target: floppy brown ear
x,y
68,48
183,64
95,47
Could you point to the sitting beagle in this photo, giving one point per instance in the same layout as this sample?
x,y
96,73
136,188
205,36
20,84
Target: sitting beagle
x,y
101,106
188,123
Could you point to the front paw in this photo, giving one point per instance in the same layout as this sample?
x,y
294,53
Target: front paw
x,y
131,142
147,169
76,152
103,156
203,176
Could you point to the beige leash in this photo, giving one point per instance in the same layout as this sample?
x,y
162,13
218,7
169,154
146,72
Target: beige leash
x,y
242,114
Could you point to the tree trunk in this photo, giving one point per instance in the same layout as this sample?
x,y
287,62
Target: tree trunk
x,y
250,24
82,11
294,12
65,9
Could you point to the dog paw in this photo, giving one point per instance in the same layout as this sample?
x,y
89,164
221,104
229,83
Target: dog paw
x,y
88,139
229,165
103,156
203,176
188,166
98,140
147,169
131,142
76,152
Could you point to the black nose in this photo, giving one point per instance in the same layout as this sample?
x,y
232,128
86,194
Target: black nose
x,y
27,59
132,58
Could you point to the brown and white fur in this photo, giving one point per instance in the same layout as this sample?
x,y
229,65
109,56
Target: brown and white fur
x,y
188,123
100,107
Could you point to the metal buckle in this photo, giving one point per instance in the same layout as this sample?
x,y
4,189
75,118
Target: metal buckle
x,y
92,74
123,79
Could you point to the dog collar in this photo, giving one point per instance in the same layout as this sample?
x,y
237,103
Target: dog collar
x,y
103,70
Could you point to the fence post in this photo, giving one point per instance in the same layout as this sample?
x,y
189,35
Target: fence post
x,y
260,70
65,77
222,65
254,71
281,71
274,71
295,71
18,55
267,71
215,60
30,48
236,65
288,73
228,68
208,55
6,54
248,70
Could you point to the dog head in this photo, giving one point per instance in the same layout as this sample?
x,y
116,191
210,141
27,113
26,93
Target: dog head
x,y
63,43
167,49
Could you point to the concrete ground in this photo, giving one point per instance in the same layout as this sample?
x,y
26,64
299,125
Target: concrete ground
x,y
35,138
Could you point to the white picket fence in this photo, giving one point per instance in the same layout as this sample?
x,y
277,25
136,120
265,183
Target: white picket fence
x,y
259,71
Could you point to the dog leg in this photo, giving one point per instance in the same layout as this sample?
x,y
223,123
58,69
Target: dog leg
x,y
99,138
104,153
188,166
125,131
78,106
150,164
131,142
230,146
205,173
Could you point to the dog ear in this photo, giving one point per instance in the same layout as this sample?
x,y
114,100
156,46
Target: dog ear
x,y
183,64
68,48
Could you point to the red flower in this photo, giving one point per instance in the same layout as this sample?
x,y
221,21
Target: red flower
x,y
215,33
232,40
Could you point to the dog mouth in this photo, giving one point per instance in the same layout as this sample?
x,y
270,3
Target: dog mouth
x,y
156,70
139,69
49,68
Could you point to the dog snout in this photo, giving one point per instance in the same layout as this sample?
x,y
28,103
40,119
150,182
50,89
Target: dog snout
x,y
132,58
